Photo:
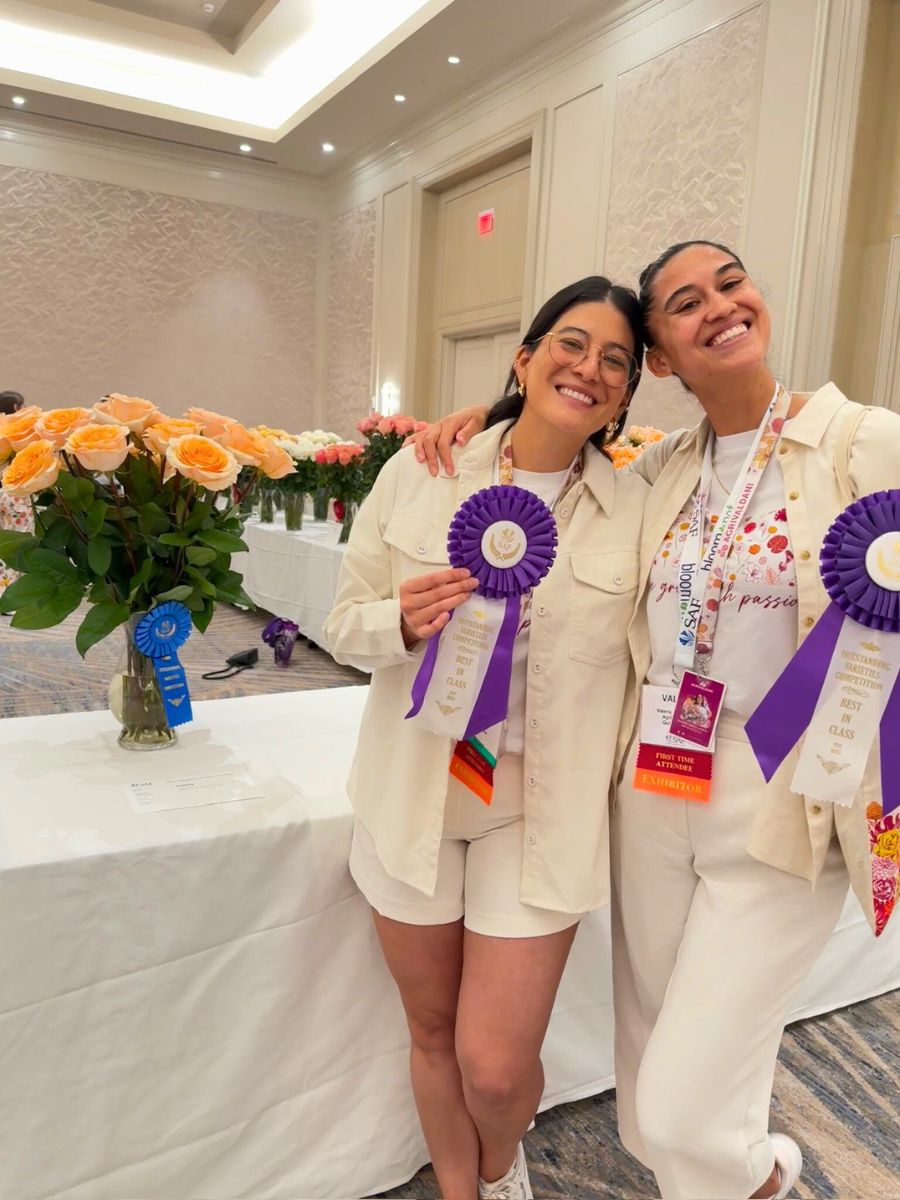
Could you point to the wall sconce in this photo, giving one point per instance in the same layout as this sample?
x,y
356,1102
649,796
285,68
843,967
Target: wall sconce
x,y
390,400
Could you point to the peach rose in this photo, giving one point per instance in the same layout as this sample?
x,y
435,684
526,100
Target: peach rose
x,y
277,462
17,428
100,447
132,411
247,446
212,424
33,469
203,460
56,424
158,435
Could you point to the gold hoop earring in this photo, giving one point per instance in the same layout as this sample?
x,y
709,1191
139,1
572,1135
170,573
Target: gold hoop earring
x,y
610,428
521,390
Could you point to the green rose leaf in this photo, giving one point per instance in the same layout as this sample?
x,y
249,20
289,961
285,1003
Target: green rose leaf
x,y
50,611
95,517
13,545
201,556
226,543
152,520
30,589
180,592
48,562
176,539
99,555
203,617
100,621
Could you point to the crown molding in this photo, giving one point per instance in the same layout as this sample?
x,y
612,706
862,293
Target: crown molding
x,y
36,145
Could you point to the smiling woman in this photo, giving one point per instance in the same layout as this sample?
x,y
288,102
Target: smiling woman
x,y
467,898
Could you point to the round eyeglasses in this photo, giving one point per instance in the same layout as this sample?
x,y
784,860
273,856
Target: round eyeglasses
x,y
618,368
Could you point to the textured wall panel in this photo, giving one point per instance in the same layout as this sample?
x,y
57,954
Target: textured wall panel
x,y
351,290
105,288
683,143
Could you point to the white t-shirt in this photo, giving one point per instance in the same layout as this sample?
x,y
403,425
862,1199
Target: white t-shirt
x,y
547,485
756,633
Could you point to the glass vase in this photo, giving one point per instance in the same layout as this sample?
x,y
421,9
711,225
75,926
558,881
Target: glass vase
x,y
135,699
320,504
350,510
267,507
293,510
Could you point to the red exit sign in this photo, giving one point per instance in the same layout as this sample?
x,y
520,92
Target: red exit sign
x,y
485,222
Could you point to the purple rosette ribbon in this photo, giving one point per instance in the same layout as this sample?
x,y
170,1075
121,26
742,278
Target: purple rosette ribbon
x,y
506,537
860,567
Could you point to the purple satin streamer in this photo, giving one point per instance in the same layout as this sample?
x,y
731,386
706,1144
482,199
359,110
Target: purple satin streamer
x,y
423,675
784,713
890,753
493,699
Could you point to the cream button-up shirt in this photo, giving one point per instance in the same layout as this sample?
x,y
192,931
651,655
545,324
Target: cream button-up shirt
x,y
789,832
578,666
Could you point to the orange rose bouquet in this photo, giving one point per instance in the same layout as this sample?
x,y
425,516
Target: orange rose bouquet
x,y
632,443
132,509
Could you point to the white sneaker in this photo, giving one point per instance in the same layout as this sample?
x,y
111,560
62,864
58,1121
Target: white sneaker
x,y
789,1162
514,1185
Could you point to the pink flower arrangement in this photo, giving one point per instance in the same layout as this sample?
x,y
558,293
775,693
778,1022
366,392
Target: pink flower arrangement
x,y
385,436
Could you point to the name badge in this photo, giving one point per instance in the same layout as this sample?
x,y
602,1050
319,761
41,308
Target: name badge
x,y
667,764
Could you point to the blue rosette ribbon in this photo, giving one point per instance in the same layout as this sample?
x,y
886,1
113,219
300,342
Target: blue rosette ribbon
x,y
860,567
506,537
160,634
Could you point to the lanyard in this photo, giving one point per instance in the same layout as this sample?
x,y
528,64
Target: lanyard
x,y
702,568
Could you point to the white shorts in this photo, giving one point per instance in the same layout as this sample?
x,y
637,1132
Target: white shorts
x,y
479,867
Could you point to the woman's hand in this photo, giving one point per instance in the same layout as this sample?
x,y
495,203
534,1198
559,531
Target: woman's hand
x,y
427,601
436,441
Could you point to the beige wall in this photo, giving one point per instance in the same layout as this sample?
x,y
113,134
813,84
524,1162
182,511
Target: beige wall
x,y
106,288
716,118
874,216
347,384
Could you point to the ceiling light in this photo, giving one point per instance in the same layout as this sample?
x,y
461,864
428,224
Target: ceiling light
x,y
18,101
453,60
400,98
209,8
327,148
245,148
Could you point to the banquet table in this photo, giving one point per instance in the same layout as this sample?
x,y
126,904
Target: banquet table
x,y
292,574
193,1004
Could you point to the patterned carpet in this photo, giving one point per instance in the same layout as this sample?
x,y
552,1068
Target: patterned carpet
x,y
837,1086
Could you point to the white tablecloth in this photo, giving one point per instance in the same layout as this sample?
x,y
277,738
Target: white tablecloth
x,y
192,1002
293,575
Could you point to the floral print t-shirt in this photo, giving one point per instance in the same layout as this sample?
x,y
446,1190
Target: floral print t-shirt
x,y
756,634
14,514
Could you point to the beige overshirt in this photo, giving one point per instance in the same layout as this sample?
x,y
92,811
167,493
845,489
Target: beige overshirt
x,y
789,832
578,666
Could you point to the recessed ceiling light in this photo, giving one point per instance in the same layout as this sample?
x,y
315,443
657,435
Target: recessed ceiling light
x,y
400,98
18,101
245,148
209,8
453,60
327,148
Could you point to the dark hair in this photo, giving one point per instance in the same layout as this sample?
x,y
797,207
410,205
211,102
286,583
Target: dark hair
x,y
650,272
11,402
593,289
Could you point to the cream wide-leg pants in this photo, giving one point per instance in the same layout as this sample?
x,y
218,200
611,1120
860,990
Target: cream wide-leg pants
x,y
709,947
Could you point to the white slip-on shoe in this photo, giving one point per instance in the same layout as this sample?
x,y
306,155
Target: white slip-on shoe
x,y
789,1162
514,1185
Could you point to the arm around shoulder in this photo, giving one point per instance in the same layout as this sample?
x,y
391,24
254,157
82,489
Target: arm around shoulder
x,y
650,463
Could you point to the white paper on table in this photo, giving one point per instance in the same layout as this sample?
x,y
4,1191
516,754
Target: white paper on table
x,y
193,791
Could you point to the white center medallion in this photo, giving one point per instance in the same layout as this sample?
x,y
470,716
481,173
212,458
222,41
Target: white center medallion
x,y
883,561
503,544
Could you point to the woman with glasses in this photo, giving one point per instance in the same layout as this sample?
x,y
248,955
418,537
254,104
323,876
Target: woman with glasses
x,y
476,897
722,906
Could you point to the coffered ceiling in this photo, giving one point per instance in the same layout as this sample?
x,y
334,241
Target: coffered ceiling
x,y
280,76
